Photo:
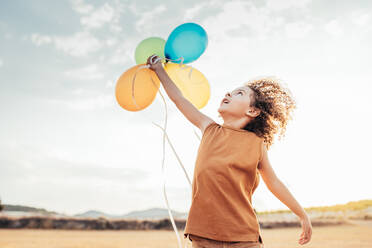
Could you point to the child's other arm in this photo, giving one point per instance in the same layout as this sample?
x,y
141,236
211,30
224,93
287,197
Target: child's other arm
x,y
185,106
278,188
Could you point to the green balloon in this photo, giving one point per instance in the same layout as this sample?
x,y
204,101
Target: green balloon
x,y
148,47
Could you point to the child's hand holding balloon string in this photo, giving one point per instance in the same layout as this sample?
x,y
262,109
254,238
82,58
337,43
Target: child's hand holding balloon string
x,y
154,63
153,60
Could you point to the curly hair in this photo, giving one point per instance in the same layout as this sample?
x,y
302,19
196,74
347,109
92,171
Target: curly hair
x,y
276,104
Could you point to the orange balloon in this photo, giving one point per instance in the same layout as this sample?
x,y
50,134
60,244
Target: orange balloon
x,y
143,89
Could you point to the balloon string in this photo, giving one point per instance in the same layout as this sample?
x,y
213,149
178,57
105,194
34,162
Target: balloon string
x,y
165,136
166,117
182,65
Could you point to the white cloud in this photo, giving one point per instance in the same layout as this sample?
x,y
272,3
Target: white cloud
x,y
297,29
93,18
109,84
99,17
238,15
360,19
278,5
247,19
115,28
122,54
148,18
190,13
334,28
1,63
111,41
8,36
93,103
84,42
39,39
243,19
89,72
79,44
81,7
78,91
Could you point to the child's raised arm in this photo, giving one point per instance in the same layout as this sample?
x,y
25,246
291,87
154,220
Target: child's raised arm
x,y
185,106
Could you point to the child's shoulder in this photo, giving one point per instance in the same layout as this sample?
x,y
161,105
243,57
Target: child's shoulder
x,y
209,124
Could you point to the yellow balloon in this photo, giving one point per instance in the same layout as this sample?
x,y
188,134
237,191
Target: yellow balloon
x,y
194,86
143,90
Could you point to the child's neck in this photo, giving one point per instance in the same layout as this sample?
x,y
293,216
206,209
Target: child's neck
x,y
238,124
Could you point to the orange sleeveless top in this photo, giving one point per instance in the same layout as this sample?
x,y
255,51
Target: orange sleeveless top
x,y
225,177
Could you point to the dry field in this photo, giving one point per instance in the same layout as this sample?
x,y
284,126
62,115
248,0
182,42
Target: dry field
x,y
342,236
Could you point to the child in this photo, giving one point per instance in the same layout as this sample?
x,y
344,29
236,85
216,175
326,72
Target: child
x,y
231,157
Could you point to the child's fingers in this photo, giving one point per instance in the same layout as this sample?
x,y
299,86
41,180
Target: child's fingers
x,y
152,58
149,59
155,59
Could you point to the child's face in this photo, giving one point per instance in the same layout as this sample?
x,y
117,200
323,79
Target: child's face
x,y
236,103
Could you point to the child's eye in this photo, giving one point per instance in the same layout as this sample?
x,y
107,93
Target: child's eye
x,y
240,92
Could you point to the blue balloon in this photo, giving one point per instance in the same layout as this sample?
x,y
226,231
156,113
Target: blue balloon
x,y
188,40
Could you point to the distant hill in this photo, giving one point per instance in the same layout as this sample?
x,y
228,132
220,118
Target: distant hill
x,y
20,208
363,206
94,214
349,206
153,213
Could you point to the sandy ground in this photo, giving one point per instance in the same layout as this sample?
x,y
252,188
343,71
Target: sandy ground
x,y
358,235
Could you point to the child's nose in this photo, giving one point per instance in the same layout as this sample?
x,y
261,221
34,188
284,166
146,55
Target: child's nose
x,y
228,94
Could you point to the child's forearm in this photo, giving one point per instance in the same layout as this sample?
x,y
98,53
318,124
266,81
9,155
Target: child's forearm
x,y
170,87
285,196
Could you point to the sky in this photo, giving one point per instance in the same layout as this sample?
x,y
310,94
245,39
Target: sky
x,y
67,146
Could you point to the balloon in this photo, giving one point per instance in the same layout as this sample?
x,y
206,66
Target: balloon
x,y
144,90
188,40
195,88
148,47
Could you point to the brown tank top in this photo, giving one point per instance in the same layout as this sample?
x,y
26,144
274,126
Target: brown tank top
x,y
225,177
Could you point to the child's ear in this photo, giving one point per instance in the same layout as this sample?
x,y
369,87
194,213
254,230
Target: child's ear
x,y
258,112
253,112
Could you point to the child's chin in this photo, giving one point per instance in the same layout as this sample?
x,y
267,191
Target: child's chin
x,y
221,109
